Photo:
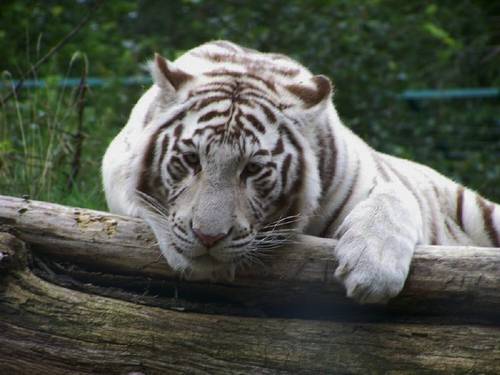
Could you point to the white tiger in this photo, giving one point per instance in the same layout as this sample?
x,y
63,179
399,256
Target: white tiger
x,y
232,148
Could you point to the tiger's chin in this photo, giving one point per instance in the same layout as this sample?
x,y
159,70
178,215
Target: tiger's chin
x,y
205,267
201,268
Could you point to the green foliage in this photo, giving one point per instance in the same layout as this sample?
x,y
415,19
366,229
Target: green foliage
x,y
372,50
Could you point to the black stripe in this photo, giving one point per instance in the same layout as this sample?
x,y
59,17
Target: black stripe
x,y
145,175
215,90
261,152
177,117
178,131
460,207
255,123
211,99
278,148
284,171
163,150
263,176
271,118
298,183
487,210
265,192
259,95
217,73
182,230
327,160
213,114
254,209
340,208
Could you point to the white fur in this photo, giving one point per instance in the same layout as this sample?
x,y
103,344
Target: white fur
x,y
381,222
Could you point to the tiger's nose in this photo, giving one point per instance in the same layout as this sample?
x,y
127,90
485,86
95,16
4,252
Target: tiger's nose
x,y
207,239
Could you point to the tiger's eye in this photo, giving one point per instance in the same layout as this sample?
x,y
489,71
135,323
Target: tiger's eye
x,y
192,159
252,169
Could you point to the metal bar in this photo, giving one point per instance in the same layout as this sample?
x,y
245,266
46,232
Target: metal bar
x,y
411,95
74,82
467,93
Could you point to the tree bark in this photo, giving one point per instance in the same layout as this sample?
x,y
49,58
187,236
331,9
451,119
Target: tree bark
x,y
87,292
48,329
447,281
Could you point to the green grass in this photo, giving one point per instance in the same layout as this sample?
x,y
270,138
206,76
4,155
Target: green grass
x,y
37,142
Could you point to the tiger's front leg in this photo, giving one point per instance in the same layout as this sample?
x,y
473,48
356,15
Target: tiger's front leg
x,y
376,243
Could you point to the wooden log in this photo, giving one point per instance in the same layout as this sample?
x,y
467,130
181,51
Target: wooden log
x,y
49,330
443,280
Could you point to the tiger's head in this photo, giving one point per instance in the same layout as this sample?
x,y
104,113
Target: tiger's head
x,y
227,170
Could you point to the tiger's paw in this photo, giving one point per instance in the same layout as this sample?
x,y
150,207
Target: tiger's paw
x,y
373,270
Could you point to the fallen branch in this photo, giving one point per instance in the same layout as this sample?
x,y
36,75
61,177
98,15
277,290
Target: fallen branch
x,y
461,280
47,329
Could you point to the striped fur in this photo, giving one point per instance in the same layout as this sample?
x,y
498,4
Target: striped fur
x,y
245,145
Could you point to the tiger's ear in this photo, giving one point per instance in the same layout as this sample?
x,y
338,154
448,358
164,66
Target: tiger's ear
x,y
318,90
167,76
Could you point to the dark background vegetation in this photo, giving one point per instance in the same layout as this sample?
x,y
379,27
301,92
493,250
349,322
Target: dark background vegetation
x,y
373,51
